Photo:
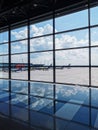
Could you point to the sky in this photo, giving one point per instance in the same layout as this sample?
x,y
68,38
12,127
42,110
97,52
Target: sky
x,y
62,41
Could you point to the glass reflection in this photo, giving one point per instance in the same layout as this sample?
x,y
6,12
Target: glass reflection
x,y
19,100
73,112
41,120
94,115
4,84
41,89
19,86
4,96
41,105
94,97
75,94
19,113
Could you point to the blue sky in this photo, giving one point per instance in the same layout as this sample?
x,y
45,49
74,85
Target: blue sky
x,y
64,40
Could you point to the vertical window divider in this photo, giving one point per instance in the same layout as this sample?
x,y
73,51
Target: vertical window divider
x,y
9,65
54,66
89,29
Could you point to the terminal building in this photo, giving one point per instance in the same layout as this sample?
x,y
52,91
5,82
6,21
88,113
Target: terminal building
x,y
48,65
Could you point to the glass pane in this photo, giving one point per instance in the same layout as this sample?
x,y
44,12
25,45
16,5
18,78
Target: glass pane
x,y
72,57
41,69
94,36
4,84
66,23
94,56
4,67
41,121
19,47
19,113
71,39
19,100
3,49
73,112
94,15
74,75
94,76
19,33
94,120
43,43
73,94
94,97
4,37
4,96
41,105
4,109
41,89
19,68
19,86
41,28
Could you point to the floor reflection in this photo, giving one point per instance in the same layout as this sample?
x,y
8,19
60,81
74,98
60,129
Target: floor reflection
x,y
67,109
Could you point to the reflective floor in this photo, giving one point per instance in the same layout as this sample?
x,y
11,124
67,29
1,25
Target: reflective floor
x,y
42,106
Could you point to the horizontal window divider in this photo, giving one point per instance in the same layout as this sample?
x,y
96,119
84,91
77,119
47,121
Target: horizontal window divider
x,y
94,46
72,48
21,53
19,79
26,94
41,51
93,26
3,43
19,40
2,90
73,66
40,36
42,97
72,30
72,84
41,81
4,55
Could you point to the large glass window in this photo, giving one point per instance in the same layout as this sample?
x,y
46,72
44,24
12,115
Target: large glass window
x,y
71,39
4,66
19,47
72,21
4,37
41,69
19,33
42,43
19,66
94,15
42,28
